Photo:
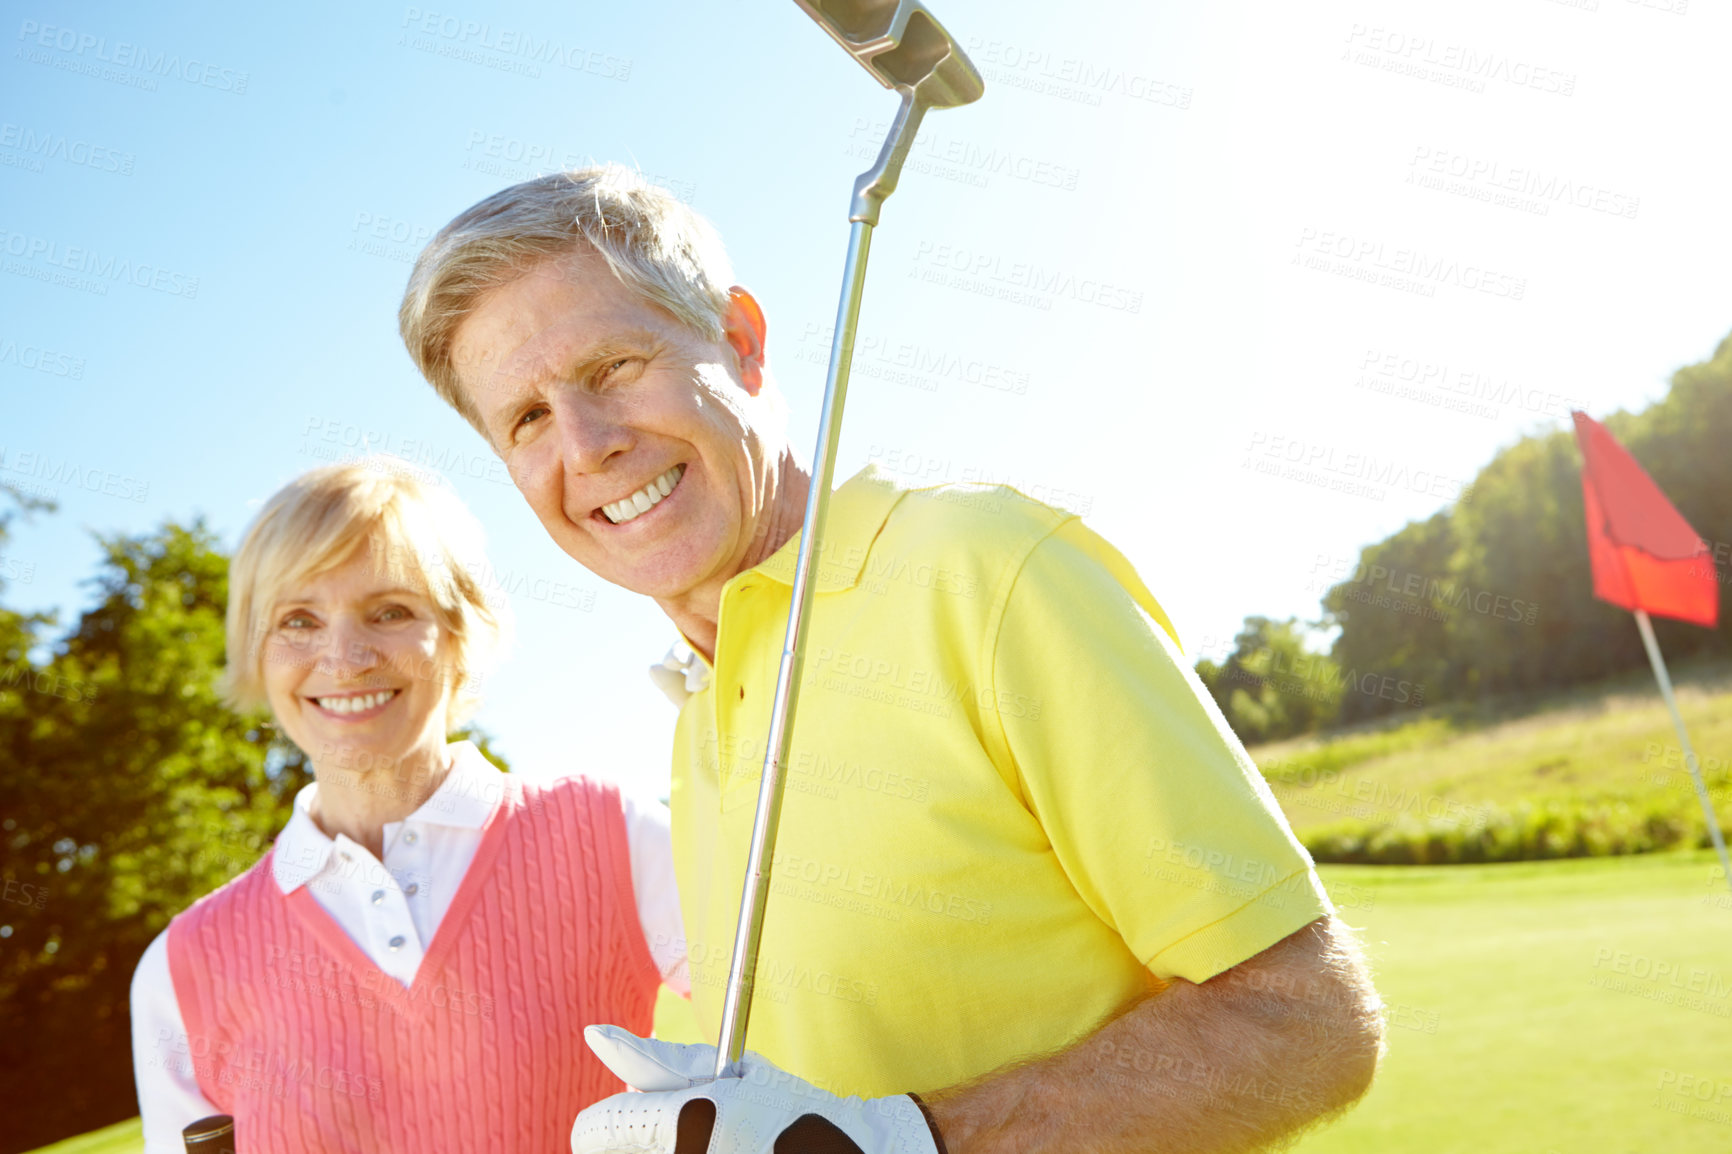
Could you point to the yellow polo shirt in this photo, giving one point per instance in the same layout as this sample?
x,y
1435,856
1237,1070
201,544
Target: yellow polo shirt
x,y
1011,807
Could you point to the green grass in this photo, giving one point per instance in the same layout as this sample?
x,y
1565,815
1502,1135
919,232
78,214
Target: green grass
x,y
1611,744
120,1138
1500,1039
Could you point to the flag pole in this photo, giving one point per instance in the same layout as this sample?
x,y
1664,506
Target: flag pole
x,y
1690,762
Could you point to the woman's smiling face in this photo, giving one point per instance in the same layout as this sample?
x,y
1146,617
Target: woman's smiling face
x,y
356,667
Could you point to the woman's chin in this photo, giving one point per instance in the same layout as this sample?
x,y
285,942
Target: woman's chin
x,y
366,753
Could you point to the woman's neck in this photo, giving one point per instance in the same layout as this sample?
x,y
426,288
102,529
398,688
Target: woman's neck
x,y
360,798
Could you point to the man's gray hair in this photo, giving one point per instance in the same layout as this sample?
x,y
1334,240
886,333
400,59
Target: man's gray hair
x,y
656,245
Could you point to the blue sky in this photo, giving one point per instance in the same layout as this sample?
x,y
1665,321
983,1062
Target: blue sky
x,y
1249,284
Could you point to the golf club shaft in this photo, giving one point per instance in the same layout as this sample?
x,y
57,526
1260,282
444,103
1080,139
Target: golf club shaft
x,y
743,967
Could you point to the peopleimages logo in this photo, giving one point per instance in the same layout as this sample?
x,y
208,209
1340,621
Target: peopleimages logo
x,y
513,49
1019,282
1438,593
58,146
966,161
1531,188
1461,65
40,359
1356,473
102,267
1384,371
1366,258
70,473
1071,77
88,52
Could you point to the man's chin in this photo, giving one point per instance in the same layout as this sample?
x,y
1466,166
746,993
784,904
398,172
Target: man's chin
x,y
674,575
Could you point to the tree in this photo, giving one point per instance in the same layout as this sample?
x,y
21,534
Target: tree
x,y
1494,595
1395,614
133,791
1272,686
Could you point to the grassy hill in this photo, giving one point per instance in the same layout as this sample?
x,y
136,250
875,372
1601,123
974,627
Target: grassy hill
x,y
1602,765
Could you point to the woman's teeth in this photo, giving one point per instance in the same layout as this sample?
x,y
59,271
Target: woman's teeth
x,y
355,704
645,499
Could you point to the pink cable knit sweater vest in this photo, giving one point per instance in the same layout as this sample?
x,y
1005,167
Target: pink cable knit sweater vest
x,y
293,1031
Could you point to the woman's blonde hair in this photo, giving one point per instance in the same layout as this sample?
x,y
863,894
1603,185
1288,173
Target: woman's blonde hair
x,y
654,243
419,534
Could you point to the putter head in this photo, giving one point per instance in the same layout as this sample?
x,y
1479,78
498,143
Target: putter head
x,y
903,46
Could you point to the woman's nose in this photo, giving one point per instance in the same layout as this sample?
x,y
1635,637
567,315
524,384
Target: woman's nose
x,y
349,651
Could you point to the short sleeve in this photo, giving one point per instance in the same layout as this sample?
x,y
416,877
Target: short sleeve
x,y
1153,808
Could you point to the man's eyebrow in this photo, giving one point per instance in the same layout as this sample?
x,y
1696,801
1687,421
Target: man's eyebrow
x,y
620,344
533,376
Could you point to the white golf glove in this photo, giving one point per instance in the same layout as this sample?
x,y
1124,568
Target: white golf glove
x,y
765,1110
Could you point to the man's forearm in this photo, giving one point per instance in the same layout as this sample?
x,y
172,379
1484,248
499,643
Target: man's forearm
x,y
1249,1056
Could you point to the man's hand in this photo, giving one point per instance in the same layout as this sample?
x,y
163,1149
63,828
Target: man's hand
x,y
684,1109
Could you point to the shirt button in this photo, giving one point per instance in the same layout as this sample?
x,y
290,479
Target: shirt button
x,y
410,838
396,943
378,897
411,889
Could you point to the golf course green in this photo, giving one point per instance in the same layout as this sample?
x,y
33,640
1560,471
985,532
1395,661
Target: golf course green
x,y
1545,1007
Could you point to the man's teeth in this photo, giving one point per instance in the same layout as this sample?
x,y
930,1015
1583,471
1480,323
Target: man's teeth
x,y
356,704
645,499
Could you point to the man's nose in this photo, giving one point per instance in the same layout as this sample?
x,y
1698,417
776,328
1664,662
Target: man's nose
x,y
590,431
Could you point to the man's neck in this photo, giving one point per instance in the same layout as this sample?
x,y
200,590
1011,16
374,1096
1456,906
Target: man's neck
x,y
698,613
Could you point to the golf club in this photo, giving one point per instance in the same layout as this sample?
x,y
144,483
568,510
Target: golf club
x,y
905,49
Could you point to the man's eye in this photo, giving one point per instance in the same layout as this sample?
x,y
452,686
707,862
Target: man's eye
x,y
522,425
620,366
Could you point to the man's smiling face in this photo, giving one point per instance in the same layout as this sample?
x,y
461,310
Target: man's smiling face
x,y
645,449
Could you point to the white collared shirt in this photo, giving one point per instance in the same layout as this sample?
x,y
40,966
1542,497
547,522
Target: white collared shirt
x,y
390,909
681,673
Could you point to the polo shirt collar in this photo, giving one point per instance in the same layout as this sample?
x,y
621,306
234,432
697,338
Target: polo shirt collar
x,y
855,516
464,800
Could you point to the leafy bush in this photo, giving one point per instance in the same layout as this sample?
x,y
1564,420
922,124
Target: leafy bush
x,y
1590,827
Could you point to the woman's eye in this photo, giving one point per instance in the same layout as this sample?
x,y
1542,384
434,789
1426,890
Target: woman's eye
x,y
394,613
299,621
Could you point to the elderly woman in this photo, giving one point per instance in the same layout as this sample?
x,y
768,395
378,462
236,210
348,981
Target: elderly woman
x,y
412,965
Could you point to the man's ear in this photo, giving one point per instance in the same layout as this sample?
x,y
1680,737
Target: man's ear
x,y
744,326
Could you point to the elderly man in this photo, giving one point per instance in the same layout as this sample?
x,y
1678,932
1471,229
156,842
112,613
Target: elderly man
x,y
1025,871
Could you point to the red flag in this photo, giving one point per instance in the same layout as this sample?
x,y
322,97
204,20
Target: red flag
x,y
1645,555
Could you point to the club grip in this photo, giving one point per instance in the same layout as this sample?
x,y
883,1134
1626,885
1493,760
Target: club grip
x,y
213,1135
